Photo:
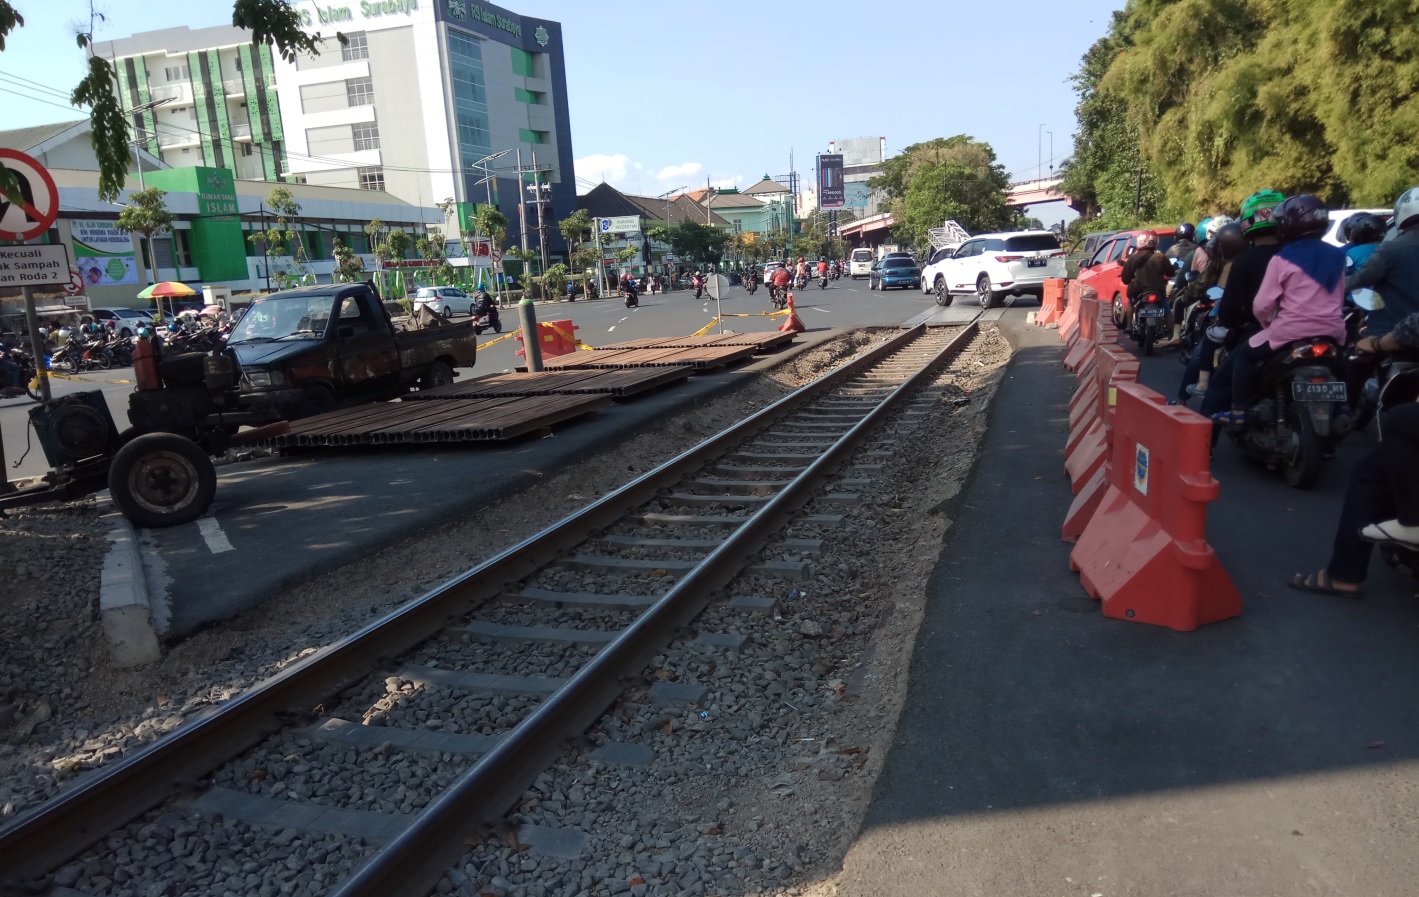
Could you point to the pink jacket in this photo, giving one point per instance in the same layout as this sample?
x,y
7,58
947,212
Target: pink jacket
x,y
1292,306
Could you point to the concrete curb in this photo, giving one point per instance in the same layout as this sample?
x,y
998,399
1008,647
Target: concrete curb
x,y
124,606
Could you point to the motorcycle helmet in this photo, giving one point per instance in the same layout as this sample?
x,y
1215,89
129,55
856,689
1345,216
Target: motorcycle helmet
x,y
1406,208
1231,241
1258,210
1202,229
1148,240
1216,224
1185,231
1301,217
1364,227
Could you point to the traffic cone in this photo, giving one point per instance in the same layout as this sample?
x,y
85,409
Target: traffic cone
x,y
792,324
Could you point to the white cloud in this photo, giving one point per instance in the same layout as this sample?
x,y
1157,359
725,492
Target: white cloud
x,y
636,165
601,167
678,171
727,183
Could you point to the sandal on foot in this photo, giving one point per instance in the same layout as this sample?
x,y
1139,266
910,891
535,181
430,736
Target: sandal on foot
x,y
1230,418
1196,391
1391,532
1320,583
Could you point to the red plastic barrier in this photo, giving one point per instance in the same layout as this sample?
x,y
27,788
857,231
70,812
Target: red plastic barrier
x,y
1145,552
558,338
1085,460
1051,304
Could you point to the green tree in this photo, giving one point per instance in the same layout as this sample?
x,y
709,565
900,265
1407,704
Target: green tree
x,y
279,236
693,242
348,267
146,213
576,230
433,250
947,177
273,22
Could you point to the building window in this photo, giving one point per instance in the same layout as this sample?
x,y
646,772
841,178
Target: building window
x,y
531,97
473,132
524,63
359,92
366,136
176,73
372,179
739,225
527,136
465,65
356,47
183,249
246,149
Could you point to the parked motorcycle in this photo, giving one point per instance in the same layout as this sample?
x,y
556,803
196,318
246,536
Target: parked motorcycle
x,y
1294,424
1150,320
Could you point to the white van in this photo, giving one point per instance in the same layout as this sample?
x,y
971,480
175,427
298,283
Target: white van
x,y
859,263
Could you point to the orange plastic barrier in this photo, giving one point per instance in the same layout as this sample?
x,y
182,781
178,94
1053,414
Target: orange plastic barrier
x,y
1084,462
1087,335
1069,316
1145,552
558,338
1052,302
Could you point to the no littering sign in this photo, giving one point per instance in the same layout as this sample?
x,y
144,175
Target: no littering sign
x,y
34,266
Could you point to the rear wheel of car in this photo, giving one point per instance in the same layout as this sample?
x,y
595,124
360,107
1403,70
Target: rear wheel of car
x,y
943,293
984,292
447,312
318,399
438,374
1117,313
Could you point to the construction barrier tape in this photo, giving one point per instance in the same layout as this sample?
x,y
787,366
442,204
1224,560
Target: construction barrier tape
x,y
706,328
499,339
55,375
756,314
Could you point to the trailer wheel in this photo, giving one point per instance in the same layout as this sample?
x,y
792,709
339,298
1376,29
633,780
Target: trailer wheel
x,y
161,479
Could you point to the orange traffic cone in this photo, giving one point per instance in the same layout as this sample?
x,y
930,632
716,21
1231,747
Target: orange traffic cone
x,y
792,324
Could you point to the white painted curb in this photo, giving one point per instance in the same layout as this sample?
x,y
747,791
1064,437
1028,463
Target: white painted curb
x,y
124,607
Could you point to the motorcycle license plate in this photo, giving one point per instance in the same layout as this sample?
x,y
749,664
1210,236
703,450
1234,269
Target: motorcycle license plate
x,y
1327,391
1035,263
1156,312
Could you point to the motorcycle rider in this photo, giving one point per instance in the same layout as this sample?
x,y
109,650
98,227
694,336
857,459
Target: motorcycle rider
x,y
1230,243
780,280
1302,296
822,268
1233,311
1182,249
800,271
1363,232
1392,270
1146,271
1184,241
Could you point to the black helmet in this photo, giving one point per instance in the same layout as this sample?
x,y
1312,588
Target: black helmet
x,y
1302,217
1230,241
1186,231
1364,227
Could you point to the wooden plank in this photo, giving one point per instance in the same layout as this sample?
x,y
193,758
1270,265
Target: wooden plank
x,y
451,420
618,382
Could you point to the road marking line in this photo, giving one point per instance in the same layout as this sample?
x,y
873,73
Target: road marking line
x,y
212,534
608,329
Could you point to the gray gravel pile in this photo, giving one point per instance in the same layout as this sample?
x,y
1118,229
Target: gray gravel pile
x,y
184,853
382,779
50,639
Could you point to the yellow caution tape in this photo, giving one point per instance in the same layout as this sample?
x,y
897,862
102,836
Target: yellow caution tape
x,y
706,328
55,375
498,339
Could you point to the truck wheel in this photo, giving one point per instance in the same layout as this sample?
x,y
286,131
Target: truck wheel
x,y
439,374
319,399
161,479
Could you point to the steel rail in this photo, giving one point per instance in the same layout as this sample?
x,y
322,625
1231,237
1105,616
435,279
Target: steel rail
x,y
45,837
413,862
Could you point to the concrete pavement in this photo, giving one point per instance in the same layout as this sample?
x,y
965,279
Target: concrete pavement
x,y
1046,750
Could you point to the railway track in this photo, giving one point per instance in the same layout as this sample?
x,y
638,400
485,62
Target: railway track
x,y
535,643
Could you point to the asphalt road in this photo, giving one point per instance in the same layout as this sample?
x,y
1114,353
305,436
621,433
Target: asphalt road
x,y
1046,750
844,303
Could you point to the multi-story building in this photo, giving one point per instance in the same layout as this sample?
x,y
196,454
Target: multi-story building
x,y
421,92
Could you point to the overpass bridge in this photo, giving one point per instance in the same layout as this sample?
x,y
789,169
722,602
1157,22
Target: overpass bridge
x,y
1026,193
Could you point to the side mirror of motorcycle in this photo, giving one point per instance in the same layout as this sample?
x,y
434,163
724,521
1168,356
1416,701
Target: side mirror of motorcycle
x,y
1214,293
1366,298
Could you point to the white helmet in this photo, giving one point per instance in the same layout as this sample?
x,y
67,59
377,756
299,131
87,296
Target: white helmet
x,y
1406,208
1216,224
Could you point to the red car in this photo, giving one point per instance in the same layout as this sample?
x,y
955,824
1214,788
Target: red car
x,y
1104,270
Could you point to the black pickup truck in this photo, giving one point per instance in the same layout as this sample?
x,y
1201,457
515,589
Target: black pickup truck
x,y
314,349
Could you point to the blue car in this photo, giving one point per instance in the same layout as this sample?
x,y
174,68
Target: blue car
x,y
894,271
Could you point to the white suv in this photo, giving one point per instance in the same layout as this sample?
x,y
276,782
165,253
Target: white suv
x,y
992,265
859,264
933,264
444,300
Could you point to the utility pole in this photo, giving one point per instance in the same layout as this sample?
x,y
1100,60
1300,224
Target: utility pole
x,y
541,211
521,207
1138,194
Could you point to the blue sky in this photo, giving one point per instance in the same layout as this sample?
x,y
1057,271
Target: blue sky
x,y
665,94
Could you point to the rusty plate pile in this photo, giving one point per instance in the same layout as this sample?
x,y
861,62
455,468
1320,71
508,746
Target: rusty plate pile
x,y
761,341
701,359
452,420
618,382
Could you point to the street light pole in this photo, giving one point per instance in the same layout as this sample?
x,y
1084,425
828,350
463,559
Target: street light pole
x,y
1039,152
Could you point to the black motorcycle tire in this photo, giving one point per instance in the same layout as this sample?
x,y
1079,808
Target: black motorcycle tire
x,y
101,360
1302,469
1145,340
64,365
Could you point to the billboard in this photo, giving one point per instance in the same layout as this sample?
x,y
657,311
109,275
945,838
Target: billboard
x,y
103,253
856,195
830,181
